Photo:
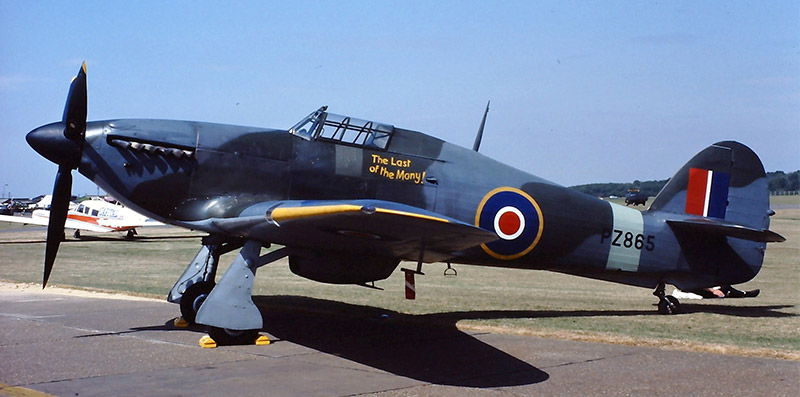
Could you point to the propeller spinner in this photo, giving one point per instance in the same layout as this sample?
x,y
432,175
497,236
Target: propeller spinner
x,y
62,143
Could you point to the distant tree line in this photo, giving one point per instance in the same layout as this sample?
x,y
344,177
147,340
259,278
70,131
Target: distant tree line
x,y
783,183
779,183
650,188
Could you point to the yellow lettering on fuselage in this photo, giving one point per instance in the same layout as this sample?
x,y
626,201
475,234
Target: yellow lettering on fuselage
x,y
396,169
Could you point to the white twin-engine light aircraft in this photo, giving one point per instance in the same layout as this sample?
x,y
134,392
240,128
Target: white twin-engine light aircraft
x,y
96,215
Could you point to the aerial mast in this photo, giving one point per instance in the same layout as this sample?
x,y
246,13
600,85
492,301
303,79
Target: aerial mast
x,y
477,144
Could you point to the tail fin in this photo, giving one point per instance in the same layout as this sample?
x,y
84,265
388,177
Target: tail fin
x,y
720,200
724,182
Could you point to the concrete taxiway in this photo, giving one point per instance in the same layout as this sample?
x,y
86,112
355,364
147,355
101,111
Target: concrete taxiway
x,y
65,342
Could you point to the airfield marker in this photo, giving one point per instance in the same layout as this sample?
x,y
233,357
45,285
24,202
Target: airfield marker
x,y
411,291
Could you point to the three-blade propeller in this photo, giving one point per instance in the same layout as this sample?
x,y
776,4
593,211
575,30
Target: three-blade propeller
x,y
67,154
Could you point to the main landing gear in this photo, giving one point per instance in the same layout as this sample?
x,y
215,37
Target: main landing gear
x,y
197,281
193,298
227,307
667,304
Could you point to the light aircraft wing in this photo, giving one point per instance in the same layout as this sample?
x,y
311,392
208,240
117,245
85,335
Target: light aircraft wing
x,y
25,220
372,227
114,224
69,224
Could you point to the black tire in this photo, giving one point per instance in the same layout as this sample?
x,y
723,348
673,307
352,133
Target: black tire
x,y
227,337
193,298
669,305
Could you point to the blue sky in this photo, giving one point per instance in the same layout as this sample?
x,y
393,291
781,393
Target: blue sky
x,y
581,91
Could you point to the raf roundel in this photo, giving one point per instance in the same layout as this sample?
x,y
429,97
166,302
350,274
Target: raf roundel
x,y
516,218
509,223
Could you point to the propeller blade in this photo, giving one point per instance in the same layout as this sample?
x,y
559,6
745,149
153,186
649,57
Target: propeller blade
x,y
74,117
62,191
67,154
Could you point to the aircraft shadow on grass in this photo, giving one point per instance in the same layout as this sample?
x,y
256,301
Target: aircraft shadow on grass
x,y
426,347
767,311
406,345
736,311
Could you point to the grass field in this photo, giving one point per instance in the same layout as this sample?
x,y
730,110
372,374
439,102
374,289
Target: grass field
x,y
498,300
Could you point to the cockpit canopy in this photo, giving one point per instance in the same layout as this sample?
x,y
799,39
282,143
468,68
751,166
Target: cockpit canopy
x,y
343,129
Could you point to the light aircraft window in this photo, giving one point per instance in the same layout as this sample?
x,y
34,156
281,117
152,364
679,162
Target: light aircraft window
x,y
94,212
80,208
343,129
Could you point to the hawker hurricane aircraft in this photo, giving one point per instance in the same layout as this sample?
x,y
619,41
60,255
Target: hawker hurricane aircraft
x,y
348,199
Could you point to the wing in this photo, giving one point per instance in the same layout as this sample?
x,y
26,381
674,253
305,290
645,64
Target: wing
x,y
126,224
371,227
25,220
43,219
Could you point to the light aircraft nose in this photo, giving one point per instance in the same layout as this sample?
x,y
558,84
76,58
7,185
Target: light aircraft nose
x,y
50,142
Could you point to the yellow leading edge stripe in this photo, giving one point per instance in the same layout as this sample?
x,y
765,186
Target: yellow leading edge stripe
x,y
285,214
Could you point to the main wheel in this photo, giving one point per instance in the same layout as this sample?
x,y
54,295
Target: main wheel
x,y
193,298
669,305
224,336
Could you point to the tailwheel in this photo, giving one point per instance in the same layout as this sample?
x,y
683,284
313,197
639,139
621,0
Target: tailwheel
x,y
449,267
193,298
224,336
669,305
